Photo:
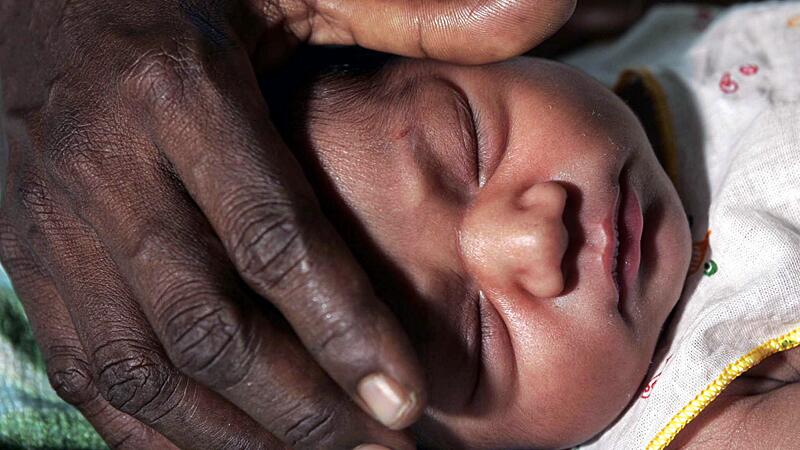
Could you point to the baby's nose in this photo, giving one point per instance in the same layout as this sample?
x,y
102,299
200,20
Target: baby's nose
x,y
517,239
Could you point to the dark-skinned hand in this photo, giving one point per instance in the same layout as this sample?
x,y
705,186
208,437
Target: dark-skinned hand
x,y
180,278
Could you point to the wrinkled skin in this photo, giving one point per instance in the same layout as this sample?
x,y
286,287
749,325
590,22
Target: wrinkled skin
x,y
181,281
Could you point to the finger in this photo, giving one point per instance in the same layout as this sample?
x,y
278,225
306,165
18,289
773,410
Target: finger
x,y
127,364
471,31
238,170
67,364
201,311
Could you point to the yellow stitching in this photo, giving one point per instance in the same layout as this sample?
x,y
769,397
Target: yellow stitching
x,y
732,371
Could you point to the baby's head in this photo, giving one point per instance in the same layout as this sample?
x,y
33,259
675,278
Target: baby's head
x,y
516,219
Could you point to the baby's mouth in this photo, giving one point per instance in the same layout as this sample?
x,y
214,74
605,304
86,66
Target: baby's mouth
x,y
624,231
628,236
611,255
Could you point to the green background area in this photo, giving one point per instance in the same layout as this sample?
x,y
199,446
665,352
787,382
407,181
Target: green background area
x,y
32,416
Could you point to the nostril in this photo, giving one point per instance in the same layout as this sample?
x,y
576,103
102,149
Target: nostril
x,y
548,197
543,276
547,284
516,242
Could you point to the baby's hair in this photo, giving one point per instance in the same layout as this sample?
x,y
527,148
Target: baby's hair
x,y
337,68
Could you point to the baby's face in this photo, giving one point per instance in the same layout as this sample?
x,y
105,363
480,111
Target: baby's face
x,y
517,221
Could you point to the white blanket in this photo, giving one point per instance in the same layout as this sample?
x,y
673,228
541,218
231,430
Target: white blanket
x,y
732,84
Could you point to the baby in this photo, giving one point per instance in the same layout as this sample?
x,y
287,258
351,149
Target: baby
x,y
517,219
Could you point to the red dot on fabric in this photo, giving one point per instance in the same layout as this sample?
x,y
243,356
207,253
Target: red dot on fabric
x,y
727,84
748,69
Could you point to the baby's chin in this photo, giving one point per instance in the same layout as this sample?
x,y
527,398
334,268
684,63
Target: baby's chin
x,y
584,400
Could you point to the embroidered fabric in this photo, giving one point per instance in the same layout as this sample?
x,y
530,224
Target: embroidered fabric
x,y
730,84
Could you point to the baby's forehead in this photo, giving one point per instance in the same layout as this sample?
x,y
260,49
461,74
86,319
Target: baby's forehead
x,y
365,93
372,97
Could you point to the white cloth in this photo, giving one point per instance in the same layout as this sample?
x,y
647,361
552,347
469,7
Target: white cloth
x,y
733,92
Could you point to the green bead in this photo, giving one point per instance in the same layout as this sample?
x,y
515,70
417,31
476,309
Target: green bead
x,y
710,268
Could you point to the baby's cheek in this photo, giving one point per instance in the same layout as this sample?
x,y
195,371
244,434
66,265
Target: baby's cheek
x,y
575,384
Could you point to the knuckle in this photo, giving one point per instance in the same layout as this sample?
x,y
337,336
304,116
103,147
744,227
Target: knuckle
x,y
39,213
41,217
32,193
85,155
138,384
315,428
80,169
70,376
209,342
159,78
68,139
91,164
267,244
87,138
204,332
149,239
76,124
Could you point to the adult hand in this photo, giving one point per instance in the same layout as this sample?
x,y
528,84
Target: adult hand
x,y
180,278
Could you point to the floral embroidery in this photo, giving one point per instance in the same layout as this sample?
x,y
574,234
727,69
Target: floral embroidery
x,y
699,250
727,84
748,69
648,390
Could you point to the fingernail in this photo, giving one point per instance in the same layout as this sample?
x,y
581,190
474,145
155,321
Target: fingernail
x,y
387,400
371,447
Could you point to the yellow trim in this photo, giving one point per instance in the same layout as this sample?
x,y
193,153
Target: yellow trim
x,y
669,159
711,392
669,152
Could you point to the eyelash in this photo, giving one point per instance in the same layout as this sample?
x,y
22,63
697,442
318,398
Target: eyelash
x,y
475,134
472,126
479,144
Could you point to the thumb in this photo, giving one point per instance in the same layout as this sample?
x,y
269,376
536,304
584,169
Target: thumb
x,y
460,31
